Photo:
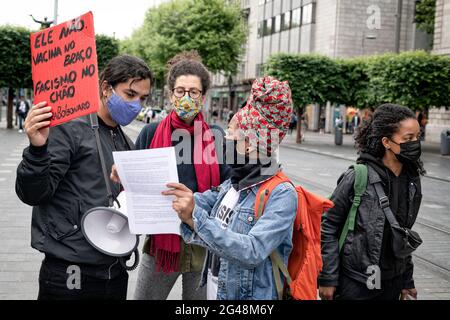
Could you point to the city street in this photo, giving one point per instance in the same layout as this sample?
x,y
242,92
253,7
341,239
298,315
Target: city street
x,y
316,165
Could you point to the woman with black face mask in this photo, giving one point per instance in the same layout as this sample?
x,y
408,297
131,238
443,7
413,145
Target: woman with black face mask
x,y
368,266
239,243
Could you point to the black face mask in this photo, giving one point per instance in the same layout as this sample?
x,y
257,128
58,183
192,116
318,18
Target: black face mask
x,y
410,151
233,158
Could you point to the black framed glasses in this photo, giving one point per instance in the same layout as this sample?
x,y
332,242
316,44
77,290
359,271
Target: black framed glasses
x,y
180,92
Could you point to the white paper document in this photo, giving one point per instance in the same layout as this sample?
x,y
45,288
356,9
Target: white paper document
x,y
144,175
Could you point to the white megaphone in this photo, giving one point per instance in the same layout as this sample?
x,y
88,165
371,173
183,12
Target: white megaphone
x,y
107,230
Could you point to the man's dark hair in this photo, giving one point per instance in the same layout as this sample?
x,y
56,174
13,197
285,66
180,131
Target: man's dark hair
x,y
188,63
123,68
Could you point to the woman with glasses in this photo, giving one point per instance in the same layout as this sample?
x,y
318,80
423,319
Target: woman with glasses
x,y
167,256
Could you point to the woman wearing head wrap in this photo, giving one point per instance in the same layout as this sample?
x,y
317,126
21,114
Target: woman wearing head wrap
x,y
223,220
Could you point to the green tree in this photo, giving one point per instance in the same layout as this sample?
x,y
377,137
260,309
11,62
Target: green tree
x,y
312,78
15,63
107,48
214,28
417,80
425,15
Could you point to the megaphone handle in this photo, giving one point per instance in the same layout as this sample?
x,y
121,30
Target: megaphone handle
x,y
135,264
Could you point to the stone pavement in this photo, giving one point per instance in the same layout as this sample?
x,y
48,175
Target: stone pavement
x,y
19,263
437,166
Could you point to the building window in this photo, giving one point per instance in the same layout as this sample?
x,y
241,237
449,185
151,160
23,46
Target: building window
x,y
296,18
277,24
268,27
260,70
260,29
308,13
286,21
261,2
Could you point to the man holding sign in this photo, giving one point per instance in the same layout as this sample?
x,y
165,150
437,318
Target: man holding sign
x,y
60,174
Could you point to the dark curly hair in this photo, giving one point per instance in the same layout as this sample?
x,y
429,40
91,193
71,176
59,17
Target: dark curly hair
x,y
188,63
384,122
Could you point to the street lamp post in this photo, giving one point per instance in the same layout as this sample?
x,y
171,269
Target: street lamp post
x,y
55,13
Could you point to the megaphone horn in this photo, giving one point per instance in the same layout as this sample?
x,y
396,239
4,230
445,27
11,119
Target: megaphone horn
x,y
106,229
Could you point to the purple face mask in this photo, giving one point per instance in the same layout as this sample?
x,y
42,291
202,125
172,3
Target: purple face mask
x,y
121,111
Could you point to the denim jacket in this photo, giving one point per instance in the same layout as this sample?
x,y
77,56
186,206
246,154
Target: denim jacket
x,y
244,247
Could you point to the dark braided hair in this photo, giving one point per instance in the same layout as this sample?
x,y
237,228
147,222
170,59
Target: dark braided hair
x,y
384,122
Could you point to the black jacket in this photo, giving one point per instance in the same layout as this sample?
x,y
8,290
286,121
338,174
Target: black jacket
x,y
62,180
24,112
368,245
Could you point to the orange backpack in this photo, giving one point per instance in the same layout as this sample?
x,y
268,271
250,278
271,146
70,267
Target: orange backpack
x,y
305,260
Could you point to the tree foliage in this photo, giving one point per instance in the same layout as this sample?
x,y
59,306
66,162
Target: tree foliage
x,y
313,78
15,57
214,28
107,48
415,79
425,15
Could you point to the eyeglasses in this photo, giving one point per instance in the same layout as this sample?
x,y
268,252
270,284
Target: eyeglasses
x,y
180,92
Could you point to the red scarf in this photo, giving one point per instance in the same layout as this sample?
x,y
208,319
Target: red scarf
x,y
167,247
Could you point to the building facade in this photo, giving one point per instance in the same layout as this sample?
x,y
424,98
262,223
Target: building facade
x,y
439,118
335,28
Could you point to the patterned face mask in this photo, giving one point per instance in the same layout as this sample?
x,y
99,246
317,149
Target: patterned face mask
x,y
186,107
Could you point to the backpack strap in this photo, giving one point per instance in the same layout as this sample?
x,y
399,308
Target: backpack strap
x,y
359,186
264,191
261,199
277,266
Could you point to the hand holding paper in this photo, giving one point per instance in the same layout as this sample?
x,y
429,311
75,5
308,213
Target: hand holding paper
x,y
184,202
144,175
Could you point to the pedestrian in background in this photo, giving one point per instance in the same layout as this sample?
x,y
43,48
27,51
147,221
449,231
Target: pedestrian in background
x,y
22,108
388,145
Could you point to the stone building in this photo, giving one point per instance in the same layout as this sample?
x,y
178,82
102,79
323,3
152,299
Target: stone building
x,y
439,118
336,28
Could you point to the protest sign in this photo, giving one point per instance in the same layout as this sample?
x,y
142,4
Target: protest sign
x,y
64,69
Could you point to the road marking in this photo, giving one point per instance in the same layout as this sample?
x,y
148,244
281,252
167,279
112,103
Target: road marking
x,y
5,171
305,169
9,164
13,159
324,174
2,179
433,206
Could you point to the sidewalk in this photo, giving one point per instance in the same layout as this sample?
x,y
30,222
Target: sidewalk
x,y
437,166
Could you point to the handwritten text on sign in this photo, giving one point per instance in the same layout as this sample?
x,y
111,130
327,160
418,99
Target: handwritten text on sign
x,y
64,69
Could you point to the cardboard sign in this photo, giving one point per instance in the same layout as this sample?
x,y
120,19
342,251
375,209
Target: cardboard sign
x,y
64,69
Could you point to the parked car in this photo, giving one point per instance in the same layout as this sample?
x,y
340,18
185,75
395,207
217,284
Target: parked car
x,y
141,115
155,115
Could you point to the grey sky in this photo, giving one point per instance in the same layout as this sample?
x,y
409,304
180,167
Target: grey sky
x,y
113,16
